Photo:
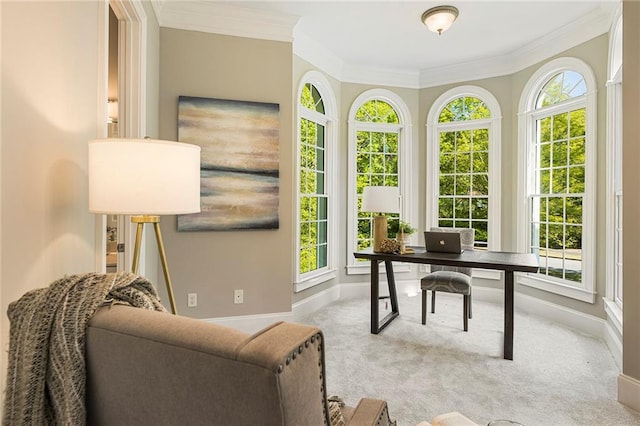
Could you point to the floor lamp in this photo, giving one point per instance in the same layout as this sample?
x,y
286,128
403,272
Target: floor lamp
x,y
380,199
144,178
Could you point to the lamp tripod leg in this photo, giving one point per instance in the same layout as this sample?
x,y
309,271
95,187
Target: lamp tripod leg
x,y
136,248
165,268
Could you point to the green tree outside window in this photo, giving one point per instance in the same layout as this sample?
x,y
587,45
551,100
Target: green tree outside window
x,y
463,200
377,160
557,201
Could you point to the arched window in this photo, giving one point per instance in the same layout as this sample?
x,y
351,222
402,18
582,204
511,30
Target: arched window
x,y
378,151
316,219
557,124
463,163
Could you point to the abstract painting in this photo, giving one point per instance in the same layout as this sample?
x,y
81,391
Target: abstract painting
x,y
239,162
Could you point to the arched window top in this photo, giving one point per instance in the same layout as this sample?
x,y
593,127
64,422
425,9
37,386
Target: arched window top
x,y
561,87
377,111
464,108
311,98
315,94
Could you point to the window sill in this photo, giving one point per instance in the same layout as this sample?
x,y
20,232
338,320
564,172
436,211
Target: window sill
x,y
314,280
557,288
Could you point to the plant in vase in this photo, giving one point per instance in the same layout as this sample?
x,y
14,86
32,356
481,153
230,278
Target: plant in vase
x,y
402,231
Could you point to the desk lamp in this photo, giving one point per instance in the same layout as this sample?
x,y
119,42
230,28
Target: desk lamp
x,y
144,178
380,199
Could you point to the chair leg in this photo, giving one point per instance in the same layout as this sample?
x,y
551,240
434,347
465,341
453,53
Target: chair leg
x,y
424,307
465,311
433,301
470,305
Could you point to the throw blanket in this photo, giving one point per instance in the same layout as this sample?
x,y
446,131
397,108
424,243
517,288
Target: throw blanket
x,y
46,371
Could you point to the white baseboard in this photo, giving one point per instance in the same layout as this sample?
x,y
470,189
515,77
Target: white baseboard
x,y
614,343
315,302
629,392
253,323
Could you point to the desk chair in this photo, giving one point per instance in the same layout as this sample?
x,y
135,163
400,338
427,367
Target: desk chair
x,y
450,279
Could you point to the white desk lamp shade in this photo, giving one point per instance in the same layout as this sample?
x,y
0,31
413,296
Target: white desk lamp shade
x,y
143,177
380,199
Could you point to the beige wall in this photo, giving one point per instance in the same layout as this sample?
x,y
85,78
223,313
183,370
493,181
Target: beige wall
x,y
631,177
49,103
49,99
213,264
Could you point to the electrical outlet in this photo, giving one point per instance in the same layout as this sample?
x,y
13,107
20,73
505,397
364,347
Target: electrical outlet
x,y
238,296
192,300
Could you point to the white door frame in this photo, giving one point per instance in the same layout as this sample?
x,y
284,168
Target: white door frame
x,y
132,55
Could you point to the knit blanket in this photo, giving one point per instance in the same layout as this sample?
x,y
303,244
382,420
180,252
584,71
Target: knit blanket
x,y
46,377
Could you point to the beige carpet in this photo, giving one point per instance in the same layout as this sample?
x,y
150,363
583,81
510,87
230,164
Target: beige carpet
x,y
558,376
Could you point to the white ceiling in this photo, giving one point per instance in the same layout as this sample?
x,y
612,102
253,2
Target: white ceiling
x,y
386,38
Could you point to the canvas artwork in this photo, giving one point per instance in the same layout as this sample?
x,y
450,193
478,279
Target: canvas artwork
x,y
239,164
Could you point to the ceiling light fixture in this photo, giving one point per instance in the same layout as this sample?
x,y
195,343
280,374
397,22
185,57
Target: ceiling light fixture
x,y
439,18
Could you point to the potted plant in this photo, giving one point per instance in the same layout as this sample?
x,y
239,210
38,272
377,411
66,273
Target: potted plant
x,y
402,231
400,227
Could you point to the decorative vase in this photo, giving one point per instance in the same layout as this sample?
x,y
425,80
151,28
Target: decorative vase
x,y
403,239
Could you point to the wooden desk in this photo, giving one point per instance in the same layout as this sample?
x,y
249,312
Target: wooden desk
x,y
501,261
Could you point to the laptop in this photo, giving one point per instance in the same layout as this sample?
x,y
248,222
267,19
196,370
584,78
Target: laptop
x,y
442,242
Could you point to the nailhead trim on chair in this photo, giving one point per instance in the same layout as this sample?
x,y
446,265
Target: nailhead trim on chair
x,y
385,414
298,351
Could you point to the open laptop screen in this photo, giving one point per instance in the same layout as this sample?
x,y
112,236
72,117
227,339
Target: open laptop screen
x,y
442,242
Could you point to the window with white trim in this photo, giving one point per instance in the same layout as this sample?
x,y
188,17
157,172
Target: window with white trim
x,y
378,150
315,243
463,166
558,135
614,173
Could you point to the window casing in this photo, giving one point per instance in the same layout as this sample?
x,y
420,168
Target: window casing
x,y
379,150
556,178
463,163
613,297
316,218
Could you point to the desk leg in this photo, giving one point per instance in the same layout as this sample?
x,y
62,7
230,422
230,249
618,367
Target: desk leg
x,y
378,325
508,315
391,280
375,284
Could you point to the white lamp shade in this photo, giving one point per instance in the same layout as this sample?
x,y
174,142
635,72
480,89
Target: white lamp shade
x,y
440,19
143,177
381,199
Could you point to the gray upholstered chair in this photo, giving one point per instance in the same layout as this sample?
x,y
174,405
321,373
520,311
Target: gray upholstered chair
x,y
450,279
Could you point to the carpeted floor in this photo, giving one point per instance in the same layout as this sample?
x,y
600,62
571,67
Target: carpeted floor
x,y
558,376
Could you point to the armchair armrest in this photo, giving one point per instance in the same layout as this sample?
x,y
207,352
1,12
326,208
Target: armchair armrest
x,y
370,412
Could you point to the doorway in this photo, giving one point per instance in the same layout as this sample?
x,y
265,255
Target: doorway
x,y
125,46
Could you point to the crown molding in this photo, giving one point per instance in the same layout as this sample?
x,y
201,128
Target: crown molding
x,y
381,77
213,17
316,54
591,25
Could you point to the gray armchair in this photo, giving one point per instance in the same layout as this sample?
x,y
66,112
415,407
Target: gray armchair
x,y
450,279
